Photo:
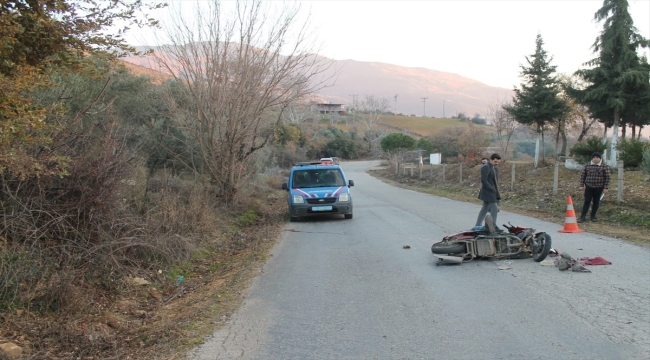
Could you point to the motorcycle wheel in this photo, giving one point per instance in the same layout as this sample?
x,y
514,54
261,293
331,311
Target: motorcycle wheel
x,y
540,251
443,248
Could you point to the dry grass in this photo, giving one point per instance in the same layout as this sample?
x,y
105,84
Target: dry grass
x,y
418,126
196,261
421,126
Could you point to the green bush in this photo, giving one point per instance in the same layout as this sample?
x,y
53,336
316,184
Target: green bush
x,y
425,145
630,151
247,218
582,151
342,147
645,165
397,142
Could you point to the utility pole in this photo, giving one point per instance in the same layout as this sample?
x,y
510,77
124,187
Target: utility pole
x,y
396,103
443,108
354,101
424,106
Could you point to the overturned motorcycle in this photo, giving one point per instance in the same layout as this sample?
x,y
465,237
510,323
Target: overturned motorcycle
x,y
487,242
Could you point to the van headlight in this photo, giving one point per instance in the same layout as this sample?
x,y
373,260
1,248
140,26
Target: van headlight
x,y
298,199
344,197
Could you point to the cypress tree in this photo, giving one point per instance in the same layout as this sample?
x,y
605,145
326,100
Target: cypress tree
x,y
637,111
538,103
617,77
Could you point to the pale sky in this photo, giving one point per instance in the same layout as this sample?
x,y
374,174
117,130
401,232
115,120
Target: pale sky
x,y
485,40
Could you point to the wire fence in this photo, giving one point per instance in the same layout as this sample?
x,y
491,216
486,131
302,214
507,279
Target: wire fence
x,y
466,174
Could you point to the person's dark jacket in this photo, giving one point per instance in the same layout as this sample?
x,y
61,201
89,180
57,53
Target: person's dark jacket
x,y
489,184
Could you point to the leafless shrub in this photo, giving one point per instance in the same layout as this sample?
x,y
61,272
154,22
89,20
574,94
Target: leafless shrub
x,y
57,221
18,267
236,74
504,123
371,109
474,141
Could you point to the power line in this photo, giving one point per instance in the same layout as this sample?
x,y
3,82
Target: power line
x,y
424,106
396,103
354,101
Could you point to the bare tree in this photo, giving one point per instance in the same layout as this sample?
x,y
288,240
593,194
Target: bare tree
x,y
236,73
297,112
474,141
504,123
579,118
333,118
369,112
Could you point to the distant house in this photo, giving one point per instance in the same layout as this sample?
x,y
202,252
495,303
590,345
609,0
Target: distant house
x,y
329,108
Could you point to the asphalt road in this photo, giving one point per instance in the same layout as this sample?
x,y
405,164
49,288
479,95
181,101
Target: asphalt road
x,y
347,289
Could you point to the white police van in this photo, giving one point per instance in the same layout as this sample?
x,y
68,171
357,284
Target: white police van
x,y
318,188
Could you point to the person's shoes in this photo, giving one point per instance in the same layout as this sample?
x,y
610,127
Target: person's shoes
x,y
593,219
581,220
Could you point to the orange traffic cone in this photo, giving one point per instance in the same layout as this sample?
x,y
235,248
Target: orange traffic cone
x,y
570,223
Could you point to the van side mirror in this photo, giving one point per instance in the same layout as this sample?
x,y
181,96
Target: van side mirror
x,y
284,186
350,183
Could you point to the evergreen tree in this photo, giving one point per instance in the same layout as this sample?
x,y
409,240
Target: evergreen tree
x,y
538,103
397,142
618,76
637,111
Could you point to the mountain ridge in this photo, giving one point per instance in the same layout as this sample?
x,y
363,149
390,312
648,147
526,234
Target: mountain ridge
x,y
454,92
446,94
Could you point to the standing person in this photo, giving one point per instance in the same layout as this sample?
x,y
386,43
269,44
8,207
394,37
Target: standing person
x,y
594,180
489,190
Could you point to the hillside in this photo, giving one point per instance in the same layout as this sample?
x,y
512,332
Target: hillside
x,y
458,93
420,126
453,92
157,76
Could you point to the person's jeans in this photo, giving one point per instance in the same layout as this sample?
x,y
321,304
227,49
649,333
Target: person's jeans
x,y
493,208
591,194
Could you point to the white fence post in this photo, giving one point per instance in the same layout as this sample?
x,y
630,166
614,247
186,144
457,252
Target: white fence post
x,y
555,176
619,195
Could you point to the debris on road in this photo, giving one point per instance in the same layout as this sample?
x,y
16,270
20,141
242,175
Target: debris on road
x,y
565,262
579,268
594,261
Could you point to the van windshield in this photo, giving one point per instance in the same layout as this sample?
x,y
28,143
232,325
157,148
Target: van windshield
x,y
317,178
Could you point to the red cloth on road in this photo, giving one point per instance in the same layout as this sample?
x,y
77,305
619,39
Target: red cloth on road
x,y
594,261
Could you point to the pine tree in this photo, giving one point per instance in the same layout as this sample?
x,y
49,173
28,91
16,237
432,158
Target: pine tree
x,y
618,76
538,103
637,111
